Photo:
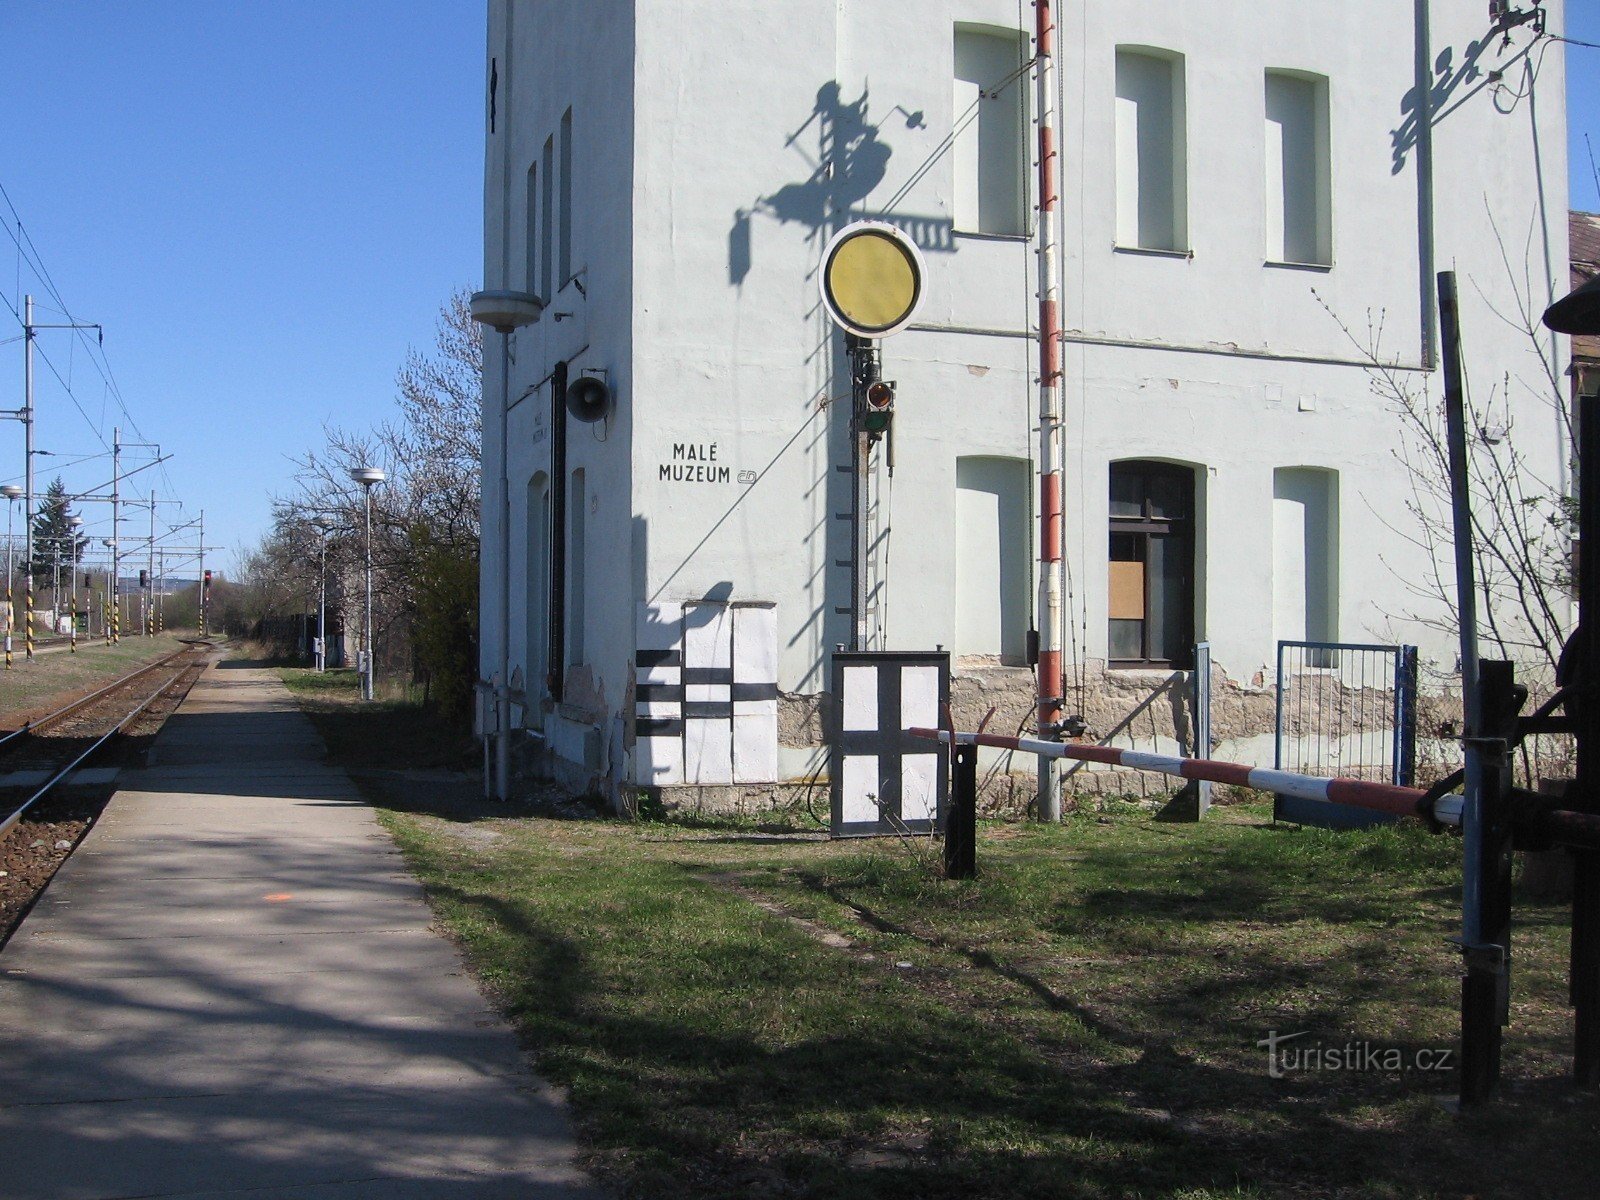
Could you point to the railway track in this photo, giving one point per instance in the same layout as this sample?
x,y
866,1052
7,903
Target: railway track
x,y
47,751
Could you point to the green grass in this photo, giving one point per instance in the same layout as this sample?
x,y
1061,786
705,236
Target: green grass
x,y
392,732
1079,1021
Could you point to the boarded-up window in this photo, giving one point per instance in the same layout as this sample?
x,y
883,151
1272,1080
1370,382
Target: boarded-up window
x,y
1150,576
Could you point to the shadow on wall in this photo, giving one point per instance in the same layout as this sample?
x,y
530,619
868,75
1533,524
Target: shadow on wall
x,y
852,160
1449,87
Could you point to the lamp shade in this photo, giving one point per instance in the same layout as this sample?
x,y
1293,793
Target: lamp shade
x,y
10,491
1577,313
505,310
367,476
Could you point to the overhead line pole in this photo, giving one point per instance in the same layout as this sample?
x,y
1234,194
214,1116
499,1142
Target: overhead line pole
x,y
115,627
29,332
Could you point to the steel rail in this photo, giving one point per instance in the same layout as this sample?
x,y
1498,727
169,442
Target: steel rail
x,y
10,822
66,710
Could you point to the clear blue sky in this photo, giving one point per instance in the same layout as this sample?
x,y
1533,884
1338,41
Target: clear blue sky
x,y
265,204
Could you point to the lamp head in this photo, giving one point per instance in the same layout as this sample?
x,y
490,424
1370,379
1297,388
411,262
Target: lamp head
x,y
10,491
505,310
1577,313
367,476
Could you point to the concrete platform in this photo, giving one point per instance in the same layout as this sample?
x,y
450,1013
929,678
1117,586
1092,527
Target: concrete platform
x,y
232,988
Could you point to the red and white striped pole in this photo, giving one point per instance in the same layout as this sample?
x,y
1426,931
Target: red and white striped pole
x,y
1051,681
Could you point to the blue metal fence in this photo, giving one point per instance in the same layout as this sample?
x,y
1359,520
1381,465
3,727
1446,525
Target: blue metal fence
x,y
1344,709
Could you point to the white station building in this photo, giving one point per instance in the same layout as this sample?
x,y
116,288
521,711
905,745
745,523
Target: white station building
x,y
1254,199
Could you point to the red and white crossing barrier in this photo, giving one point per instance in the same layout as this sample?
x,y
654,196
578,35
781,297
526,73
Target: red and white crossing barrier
x,y
1380,797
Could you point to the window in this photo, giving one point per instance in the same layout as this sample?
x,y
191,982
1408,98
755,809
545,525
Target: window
x,y
537,600
1151,594
990,124
1305,554
566,199
993,554
547,222
531,243
1152,151
576,512
1298,209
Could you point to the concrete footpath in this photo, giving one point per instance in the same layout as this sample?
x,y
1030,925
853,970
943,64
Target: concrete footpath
x,y
231,987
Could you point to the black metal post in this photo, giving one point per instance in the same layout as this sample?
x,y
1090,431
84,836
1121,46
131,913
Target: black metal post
x,y
1406,724
1486,984
1585,796
1482,958
865,370
961,821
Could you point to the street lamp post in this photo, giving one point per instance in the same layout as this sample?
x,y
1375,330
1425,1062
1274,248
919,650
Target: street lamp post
x,y
505,312
11,492
366,477
322,600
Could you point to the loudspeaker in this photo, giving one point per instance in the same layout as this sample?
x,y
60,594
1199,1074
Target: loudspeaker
x,y
589,399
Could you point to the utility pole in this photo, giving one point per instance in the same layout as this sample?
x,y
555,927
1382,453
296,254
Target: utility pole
x,y
1051,680
205,586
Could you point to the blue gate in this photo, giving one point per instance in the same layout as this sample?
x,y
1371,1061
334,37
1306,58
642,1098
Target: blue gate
x,y
1345,710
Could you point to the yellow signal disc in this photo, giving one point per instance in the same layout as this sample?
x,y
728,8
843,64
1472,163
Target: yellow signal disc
x,y
872,280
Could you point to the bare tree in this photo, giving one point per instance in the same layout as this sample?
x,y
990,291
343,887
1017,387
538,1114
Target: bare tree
x,y
425,517
1522,519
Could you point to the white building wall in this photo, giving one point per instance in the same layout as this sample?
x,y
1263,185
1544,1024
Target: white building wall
x,y
760,129
546,59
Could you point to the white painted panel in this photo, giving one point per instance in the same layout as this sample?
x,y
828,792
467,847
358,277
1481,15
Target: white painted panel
x,y
919,786
964,157
859,785
707,636
755,748
1305,564
708,751
860,698
670,709
1151,152
658,762
755,644
993,546
707,693
1296,169
919,697
989,139
756,708
660,674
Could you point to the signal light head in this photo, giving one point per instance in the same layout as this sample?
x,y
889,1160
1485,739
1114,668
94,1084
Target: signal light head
x,y
879,410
